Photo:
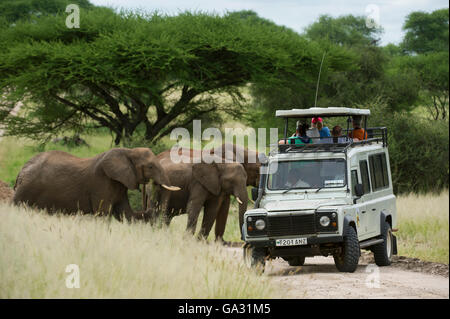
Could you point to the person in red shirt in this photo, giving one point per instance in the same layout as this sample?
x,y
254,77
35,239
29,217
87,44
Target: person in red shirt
x,y
358,133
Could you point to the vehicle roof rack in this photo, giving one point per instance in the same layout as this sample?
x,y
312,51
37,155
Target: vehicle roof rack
x,y
322,111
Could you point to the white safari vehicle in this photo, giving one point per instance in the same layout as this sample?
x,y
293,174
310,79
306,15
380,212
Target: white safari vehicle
x,y
331,197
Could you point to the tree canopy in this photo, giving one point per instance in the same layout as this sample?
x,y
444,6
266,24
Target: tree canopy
x,y
122,70
426,32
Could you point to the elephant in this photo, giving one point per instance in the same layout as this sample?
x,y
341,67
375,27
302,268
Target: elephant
x,y
202,185
228,152
59,181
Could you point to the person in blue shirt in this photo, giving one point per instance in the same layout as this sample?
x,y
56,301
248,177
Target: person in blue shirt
x,y
323,130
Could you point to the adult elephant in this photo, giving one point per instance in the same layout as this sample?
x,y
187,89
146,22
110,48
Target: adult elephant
x,y
58,181
230,153
203,185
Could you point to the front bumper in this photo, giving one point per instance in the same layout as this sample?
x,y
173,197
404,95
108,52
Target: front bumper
x,y
311,240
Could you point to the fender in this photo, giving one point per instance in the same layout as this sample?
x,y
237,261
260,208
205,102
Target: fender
x,y
347,220
383,216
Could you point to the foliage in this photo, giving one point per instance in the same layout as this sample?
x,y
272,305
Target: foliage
x,y
124,70
14,10
426,32
344,31
418,150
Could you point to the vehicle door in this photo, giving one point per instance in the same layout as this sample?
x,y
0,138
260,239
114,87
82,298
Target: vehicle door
x,y
366,198
359,206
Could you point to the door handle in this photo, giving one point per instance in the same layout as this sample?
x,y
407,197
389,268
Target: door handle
x,y
363,212
374,209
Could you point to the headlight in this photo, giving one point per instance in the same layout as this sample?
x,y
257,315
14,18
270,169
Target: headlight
x,y
324,221
260,224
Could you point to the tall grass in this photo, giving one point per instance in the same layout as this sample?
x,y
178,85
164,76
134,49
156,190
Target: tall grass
x,y
116,260
423,226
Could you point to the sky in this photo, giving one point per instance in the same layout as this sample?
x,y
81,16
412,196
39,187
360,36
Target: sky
x,y
297,14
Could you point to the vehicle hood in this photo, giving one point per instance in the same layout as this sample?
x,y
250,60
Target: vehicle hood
x,y
290,205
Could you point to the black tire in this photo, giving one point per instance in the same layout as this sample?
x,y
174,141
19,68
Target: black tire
x,y
347,260
296,261
383,252
255,257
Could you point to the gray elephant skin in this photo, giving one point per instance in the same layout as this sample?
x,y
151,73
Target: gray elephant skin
x,y
203,185
59,181
230,152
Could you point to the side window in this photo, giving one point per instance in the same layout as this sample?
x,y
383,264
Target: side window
x,y
378,171
354,174
364,176
385,170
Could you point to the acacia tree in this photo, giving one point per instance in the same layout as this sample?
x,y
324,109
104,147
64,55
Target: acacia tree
x,y
124,70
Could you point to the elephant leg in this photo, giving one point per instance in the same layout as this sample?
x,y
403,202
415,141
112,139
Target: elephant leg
x,y
196,201
209,216
221,219
152,213
123,208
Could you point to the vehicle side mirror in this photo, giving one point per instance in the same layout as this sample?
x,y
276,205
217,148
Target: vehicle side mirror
x,y
359,190
254,193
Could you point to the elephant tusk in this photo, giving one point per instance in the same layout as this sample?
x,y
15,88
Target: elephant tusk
x,y
239,200
171,188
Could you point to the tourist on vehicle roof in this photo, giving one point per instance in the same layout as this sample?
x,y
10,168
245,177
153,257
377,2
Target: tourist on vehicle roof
x,y
337,138
300,136
358,132
323,130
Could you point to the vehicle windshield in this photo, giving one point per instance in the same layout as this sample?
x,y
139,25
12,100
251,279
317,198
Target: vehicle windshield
x,y
307,174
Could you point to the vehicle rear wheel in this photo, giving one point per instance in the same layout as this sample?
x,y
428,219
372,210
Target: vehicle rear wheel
x,y
347,260
383,252
296,261
255,257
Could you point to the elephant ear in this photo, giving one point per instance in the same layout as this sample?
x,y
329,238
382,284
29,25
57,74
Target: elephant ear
x,y
208,176
117,166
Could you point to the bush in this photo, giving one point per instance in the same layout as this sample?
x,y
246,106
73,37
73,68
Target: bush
x,y
418,150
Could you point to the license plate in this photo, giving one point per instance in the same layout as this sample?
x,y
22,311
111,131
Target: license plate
x,y
291,242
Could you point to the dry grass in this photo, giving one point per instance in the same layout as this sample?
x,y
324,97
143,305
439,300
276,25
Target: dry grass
x,y
116,260
423,226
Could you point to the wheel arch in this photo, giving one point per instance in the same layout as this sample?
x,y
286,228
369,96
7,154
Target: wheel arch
x,y
349,222
385,217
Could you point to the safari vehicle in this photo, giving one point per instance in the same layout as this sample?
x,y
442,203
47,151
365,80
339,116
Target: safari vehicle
x,y
344,202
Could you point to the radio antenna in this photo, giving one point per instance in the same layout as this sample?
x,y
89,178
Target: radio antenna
x,y
318,78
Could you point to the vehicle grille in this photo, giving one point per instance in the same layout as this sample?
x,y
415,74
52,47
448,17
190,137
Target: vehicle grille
x,y
291,225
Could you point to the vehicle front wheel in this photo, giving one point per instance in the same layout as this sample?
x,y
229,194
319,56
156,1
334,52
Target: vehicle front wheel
x,y
383,252
347,260
255,257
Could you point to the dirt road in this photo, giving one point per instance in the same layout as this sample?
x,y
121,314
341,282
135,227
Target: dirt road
x,y
318,278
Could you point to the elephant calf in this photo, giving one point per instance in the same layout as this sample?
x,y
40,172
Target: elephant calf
x,y
58,181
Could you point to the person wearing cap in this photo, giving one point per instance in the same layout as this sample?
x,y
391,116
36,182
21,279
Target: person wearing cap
x,y
318,131
358,133
323,130
313,132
